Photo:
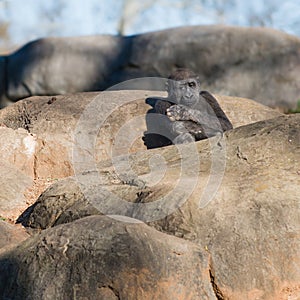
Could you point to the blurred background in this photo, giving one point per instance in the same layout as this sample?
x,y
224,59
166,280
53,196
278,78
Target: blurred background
x,y
22,21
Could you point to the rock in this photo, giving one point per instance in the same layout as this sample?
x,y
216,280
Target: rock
x,y
250,225
14,185
40,135
17,163
85,69
115,110
11,235
105,258
242,111
53,120
61,202
258,63
241,203
18,147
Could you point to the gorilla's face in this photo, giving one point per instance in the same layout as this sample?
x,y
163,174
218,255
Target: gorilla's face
x,y
185,92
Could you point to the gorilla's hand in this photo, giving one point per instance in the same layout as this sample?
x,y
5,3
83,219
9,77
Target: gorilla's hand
x,y
179,113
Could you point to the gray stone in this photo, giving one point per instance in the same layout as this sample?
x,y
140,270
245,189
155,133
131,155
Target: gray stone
x,y
63,65
258,63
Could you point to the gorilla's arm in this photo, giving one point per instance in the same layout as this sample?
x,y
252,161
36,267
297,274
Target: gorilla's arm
x,y
161,106
212,119
212,101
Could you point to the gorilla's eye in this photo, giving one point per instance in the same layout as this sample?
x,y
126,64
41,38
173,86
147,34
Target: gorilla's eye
x,y
192,84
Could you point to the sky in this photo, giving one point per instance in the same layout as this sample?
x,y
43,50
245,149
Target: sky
x,y
32,19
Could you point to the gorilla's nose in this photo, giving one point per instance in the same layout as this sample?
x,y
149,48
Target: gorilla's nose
x,y
188,94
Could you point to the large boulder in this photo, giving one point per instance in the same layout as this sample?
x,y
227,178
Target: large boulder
x,y
259,63
41,134
55,120
54,66
237,197
104,258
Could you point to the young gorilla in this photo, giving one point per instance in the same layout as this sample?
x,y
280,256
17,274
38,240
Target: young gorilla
x,y
192,115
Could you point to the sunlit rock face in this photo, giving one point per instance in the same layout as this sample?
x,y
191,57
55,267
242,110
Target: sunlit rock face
x,y
216,219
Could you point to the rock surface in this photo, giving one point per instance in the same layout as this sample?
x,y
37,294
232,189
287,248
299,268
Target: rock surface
x,y
16,170
103,258
11,235
231,203
18,147
55,119
250,226
257,63
41,132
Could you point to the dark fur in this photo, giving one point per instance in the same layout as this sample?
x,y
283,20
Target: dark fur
x,y
205,118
